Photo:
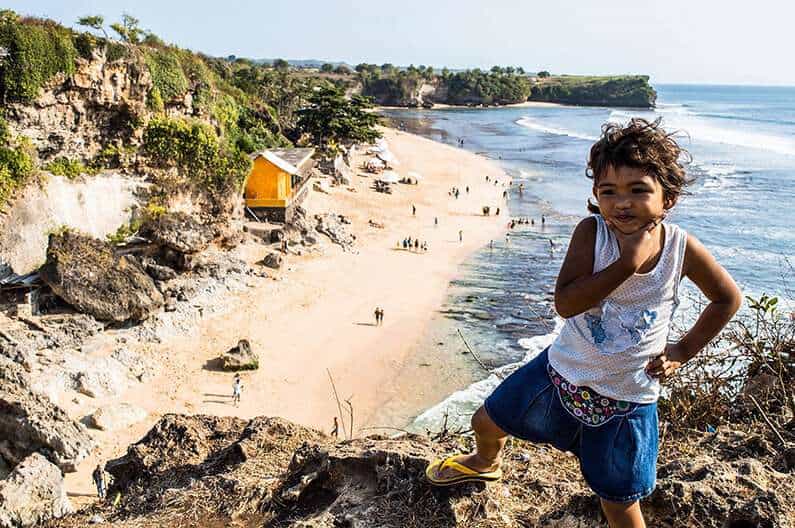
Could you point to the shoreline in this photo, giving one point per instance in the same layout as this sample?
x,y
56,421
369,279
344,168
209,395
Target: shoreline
x,y
315,320
444,106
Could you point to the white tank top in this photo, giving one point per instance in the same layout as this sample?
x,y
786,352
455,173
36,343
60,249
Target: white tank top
x,y
608,347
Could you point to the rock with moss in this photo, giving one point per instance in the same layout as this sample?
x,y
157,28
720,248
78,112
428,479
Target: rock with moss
x,y
240,357
86,273
178,231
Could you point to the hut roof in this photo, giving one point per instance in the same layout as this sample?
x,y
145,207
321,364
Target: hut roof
x,y
288,160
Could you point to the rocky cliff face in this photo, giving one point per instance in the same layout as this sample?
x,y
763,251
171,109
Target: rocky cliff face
x,y
269,472
76,117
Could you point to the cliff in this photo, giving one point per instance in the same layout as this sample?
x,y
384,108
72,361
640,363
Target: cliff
x,y
631,90
477,88
269,472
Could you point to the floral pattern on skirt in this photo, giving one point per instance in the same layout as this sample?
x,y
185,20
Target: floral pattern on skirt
x,y
586,405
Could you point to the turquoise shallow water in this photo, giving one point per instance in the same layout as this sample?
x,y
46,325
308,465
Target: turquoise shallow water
x,y
742,140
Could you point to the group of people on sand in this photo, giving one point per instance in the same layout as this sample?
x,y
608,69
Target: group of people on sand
x,y
525,220
455,192
413,244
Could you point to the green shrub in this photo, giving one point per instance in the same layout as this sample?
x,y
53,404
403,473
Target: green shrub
x,y
16,166
37,50
67,168
167,74
116,51
194,149
109,157
154,101
85,43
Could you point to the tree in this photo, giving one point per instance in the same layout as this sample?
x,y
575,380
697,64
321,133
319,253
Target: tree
x,y
327,67
520,70
128,30
281,65
496,70
94,22
342,70
543,74
331,119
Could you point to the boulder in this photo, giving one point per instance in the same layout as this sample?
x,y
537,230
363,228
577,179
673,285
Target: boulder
x,y
161,273
178,231
273,260
33,493
276,235
86,273
30,422
333,226
240,357
115,416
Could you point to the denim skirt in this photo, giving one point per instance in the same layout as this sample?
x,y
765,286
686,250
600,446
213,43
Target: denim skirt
x,y
618,457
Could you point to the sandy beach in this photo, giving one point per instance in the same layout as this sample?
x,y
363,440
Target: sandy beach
x,y
317,317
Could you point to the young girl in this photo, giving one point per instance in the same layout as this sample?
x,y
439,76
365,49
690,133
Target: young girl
x,y
593,392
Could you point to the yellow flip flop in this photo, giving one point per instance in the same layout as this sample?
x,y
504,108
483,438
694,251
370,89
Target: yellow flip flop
x,y
466,474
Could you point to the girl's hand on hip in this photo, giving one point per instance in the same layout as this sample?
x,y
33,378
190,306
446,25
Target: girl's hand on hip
x,y
636,247
667,363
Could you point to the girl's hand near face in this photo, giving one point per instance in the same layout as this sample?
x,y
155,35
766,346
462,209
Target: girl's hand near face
x,y
637,247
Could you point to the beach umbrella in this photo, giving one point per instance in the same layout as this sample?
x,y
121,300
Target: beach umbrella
x,y
389,177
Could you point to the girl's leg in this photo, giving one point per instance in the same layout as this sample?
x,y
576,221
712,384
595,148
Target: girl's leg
x,y
623,515
489,441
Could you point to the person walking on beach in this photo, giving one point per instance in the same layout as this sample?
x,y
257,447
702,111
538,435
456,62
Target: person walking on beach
x,y
237,388
461,235
380,316
99,481
377,314
416,244
467,189
543,220
335,430
413,210
594,390
497,212
435,221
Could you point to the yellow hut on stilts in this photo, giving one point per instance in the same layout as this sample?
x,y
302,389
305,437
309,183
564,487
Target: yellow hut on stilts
x,y
277,182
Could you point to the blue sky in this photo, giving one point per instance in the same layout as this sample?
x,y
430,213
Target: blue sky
x,y
698,41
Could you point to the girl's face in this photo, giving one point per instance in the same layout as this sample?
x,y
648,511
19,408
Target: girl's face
x,y
630,198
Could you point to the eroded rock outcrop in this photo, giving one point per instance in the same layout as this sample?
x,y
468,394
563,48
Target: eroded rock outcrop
x,y
178,231
87,274
269,472
30,422
33,493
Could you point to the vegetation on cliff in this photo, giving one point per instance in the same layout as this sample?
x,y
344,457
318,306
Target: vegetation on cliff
x,y
626,90
500,85
198,117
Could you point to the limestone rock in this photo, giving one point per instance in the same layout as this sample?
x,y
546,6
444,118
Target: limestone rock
x,y
240,357
158,272
273,260
178,231
116,416
34,492
86,273
333,226
30,422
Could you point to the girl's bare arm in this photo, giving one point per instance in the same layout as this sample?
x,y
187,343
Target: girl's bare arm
x,y
718,286
578,288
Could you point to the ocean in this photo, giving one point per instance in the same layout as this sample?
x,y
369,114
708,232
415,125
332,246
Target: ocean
x,y
742,142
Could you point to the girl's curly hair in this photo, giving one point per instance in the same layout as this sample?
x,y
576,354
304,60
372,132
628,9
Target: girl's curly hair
x,y
644,145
